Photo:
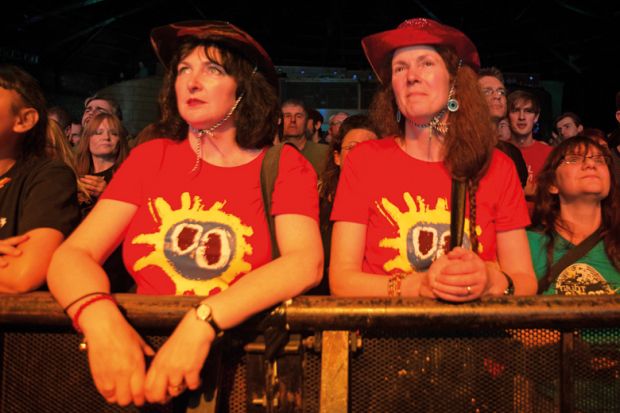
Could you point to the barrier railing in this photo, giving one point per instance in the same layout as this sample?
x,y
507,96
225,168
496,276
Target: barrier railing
x,y
337,355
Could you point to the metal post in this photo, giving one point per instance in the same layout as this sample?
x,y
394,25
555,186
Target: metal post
x,y
335,372
567,372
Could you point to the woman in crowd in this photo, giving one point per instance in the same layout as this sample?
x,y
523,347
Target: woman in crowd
x,y
575,246
191,213
577,197
57,147
38,202
392,208
100,152
56,144
102,149
354,130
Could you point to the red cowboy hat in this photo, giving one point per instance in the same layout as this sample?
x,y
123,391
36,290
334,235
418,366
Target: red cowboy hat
x,y
166,40
379,47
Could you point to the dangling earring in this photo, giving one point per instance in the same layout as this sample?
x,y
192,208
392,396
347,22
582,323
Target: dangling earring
x,y
398,116
453,104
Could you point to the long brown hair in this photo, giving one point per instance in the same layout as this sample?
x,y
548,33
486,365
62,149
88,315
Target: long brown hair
x,y
471,138
256,117
84,159
546,217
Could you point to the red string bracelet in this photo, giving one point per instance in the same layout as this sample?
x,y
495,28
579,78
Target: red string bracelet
x,y
77,300
78,313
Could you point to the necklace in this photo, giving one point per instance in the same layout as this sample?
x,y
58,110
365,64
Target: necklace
x,y
436,126
209,132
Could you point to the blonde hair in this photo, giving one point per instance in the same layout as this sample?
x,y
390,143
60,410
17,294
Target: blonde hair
x,y
60,150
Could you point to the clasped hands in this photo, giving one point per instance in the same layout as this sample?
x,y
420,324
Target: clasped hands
x,y
117,362
458,276
93,184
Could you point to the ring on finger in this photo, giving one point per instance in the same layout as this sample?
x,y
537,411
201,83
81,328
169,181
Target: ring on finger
x,y
109,395
469,290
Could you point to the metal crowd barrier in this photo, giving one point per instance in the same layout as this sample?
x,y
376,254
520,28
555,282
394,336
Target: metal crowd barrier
x,y
334,355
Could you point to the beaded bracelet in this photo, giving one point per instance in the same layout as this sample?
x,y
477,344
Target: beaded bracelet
x,y
78,313
394,284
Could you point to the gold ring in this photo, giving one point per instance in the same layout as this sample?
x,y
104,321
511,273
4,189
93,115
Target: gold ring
x,y
178,388
469,290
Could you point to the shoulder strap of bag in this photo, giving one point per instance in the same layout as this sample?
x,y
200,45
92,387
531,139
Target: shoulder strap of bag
x,y
570,257
268,175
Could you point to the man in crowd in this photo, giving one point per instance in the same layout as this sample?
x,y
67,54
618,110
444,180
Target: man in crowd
x,y
523,113
335,121
313,126
491,83
74,132
97,104
294,120
568,125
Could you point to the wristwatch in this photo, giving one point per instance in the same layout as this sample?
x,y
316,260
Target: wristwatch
x,y
510,289
205,313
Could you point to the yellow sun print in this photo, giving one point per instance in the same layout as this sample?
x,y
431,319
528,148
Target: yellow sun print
x,y
423,233
201,250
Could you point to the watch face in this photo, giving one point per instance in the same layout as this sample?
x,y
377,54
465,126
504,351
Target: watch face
x,y
203,312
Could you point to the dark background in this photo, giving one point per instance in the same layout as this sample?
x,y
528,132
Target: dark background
x,y
78,47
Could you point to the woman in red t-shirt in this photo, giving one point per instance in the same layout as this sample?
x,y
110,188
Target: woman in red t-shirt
x,y
191,212
392,207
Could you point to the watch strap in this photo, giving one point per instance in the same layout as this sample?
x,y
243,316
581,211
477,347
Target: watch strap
x,y
209,320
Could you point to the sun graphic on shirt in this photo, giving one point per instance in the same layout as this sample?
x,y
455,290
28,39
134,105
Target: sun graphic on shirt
x,y
201,250
423,233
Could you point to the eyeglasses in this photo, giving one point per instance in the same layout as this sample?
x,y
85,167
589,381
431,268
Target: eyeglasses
x,y
501,92
581,159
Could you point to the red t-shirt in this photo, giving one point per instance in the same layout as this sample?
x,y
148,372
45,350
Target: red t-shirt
x,y
535,156
404,202
197,233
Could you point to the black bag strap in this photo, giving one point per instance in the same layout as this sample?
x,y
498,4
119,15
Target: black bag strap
x,y
268,176
457,212
570,257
